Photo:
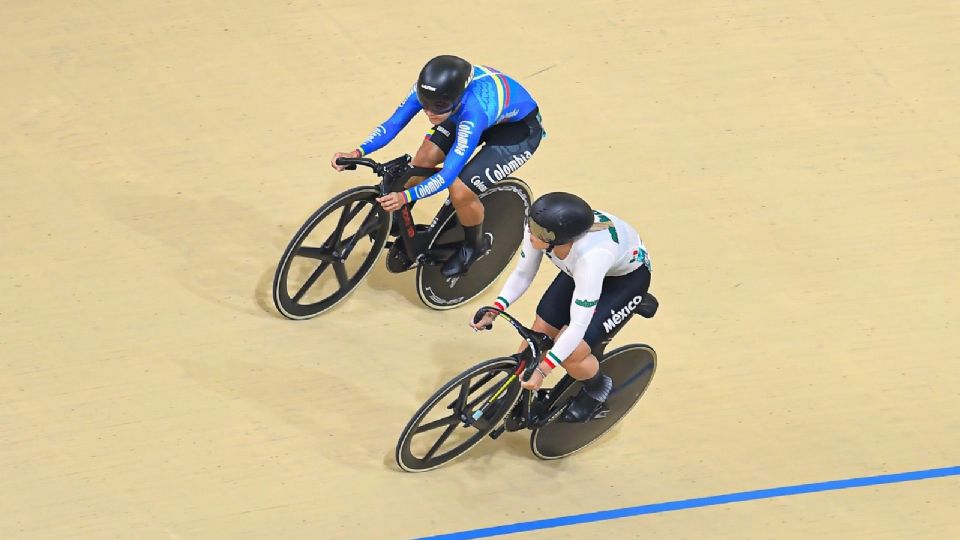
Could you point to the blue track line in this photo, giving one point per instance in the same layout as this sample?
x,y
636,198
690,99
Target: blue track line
x,y
671,506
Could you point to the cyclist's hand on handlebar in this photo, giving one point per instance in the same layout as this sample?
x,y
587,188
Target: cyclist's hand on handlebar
x,y
391,202
333,160
485,322
536,378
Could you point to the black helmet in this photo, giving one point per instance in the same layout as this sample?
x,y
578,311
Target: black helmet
x,y
559,218
442,82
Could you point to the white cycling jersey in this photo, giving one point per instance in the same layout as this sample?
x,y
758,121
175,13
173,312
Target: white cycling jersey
x,y
611,248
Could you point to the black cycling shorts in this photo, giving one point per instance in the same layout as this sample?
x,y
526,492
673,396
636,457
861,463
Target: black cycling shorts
x,y
619,296
504,149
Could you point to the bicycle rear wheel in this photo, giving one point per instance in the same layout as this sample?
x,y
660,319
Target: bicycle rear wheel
x,y
349,243
631,367
505,206
437,432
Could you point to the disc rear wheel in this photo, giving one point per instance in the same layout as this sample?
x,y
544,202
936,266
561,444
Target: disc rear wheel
x,y
631,367
505,208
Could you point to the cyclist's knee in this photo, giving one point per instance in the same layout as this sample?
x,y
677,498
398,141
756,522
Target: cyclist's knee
x,y
460,194
542,326
428,155
579,357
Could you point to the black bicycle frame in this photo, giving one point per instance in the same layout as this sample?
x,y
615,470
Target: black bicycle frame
x,y
394,175
538,343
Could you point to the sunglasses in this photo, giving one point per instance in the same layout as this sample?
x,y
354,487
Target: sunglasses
x,y
438,107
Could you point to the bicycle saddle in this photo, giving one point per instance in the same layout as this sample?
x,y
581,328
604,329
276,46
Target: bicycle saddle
x,y
648,306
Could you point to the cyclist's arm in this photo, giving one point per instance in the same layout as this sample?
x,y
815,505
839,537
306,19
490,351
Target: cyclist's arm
x,y
467,140
388,130
522,276
588,283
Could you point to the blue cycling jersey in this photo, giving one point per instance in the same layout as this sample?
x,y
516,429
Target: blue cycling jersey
x,y
490,98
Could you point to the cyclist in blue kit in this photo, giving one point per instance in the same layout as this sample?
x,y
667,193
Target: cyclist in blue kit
x,y
469,106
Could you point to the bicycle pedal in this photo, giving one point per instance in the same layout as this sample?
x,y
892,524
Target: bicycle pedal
x,y
496,433
512,423
514,420
539,409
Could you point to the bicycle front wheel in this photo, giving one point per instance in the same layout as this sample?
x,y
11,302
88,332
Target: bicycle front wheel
x,y
331,253
450,423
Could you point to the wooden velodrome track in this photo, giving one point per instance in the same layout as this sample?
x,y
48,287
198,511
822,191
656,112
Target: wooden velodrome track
x,y
793,167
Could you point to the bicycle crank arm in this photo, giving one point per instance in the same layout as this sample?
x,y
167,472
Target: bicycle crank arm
x,y
537,422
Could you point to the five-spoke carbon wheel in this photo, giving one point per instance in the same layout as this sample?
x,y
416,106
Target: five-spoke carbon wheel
x,y
331,254
443,428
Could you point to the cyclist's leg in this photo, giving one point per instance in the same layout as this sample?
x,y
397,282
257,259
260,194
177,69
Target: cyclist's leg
x,y
506,147
539,325
431,153
470,213
619,297
554,312
433,150
466,203
554,306
436,143
542,326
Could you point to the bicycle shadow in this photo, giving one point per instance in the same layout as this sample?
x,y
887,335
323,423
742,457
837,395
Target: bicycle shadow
x,y
379,279
226,243
263,292
479,459
304,402
403,285
477,462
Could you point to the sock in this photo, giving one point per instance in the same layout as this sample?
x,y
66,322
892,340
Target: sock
x,y
473,236
598,387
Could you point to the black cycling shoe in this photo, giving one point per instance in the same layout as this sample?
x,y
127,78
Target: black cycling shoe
x,y
463,258
585,407
581,409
